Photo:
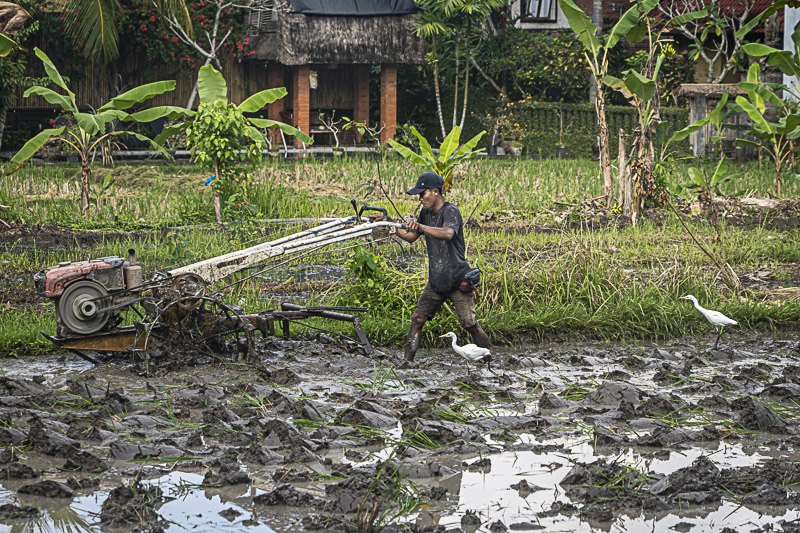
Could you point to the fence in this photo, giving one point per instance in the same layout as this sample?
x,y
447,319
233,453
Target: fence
x,y
541,126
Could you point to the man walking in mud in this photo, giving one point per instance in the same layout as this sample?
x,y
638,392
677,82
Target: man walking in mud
x,y
443,227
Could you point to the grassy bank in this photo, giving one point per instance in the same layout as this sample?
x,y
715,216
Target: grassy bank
x,y
555,282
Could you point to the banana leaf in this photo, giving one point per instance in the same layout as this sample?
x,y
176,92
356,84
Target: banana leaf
x,y
51,96
424,146
153,144
691,128
408,154
449,144
52,72
582,25
166,111
138,95
169,131
260,99
754,114
285,128
6,45
90,123
211,86
465,150
30,148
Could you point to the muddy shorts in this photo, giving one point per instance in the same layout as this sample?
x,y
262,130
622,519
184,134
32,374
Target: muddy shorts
x,y
430,301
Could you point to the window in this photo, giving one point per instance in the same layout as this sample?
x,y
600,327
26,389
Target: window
x,y
539,10
259,16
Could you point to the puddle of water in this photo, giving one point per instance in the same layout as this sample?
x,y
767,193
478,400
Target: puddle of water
x,y
491,496
191,508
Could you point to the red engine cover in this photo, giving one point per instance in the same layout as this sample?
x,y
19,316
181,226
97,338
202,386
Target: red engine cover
x,y
107,271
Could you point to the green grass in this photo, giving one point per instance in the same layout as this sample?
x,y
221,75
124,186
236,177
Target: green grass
x,y
608,283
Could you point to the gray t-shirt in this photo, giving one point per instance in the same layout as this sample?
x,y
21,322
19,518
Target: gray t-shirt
x,y
446,262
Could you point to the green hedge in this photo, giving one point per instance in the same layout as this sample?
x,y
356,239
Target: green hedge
x,y
536,125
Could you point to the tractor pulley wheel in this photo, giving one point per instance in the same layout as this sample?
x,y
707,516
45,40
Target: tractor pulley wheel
x,y
192,288
78,305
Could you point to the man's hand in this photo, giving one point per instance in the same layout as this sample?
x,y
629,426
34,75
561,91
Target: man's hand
x,y
413,226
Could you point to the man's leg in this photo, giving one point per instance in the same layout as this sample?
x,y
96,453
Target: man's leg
x,y
464,303
427,305
479,336
412,339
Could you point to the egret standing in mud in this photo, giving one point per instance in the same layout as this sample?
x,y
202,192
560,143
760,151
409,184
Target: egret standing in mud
x,y
717,319
470,352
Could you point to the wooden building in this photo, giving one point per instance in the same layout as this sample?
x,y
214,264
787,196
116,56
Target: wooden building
x,y
321,51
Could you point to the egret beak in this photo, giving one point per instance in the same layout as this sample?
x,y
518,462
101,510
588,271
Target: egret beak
x,y
445,335
683,298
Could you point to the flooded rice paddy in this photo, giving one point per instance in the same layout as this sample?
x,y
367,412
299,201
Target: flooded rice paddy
x,y
317,437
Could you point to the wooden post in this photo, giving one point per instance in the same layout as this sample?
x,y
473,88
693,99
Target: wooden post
x,y
301,101
361,96
275,79
388,102
623,171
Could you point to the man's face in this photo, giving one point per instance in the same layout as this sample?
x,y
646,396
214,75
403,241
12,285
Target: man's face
x,y
428,197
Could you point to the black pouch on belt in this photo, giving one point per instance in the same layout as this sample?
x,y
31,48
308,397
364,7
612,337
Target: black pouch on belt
x,y
471,280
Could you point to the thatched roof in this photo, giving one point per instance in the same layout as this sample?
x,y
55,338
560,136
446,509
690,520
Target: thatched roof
x,y
12,18
709,89
308,39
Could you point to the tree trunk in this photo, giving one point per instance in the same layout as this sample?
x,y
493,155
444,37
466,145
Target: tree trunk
x,y
605,154
623,162
436,89
466,92
216,187
455,89
778,180
85,173
2,125
597,20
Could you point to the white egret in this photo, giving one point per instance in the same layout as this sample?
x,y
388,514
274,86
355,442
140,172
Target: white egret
x,y
717,319
471,352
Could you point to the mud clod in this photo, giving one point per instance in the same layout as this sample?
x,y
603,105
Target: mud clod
x,y
288,495
134,505
48,489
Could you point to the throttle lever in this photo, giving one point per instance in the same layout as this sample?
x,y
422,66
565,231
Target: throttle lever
x,y
355,208
366,207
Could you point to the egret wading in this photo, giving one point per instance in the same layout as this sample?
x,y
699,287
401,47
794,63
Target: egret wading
x,y
717,319
470,352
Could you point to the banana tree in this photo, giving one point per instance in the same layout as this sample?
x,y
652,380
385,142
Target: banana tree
x,y
630,25
787,61
219,135
776,138
641,88
92,129
448,157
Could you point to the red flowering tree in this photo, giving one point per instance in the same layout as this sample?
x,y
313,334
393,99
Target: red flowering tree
x,y
219,33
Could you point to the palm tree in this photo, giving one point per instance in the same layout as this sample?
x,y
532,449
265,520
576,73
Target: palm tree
x,y
94,23
449,23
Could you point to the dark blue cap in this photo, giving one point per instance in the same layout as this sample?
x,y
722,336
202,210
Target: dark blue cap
x,y
427,180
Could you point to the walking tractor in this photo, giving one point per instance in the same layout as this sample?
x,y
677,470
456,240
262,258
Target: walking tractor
x,y
180,314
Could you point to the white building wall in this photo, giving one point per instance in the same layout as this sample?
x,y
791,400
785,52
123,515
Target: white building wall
x,y
791,17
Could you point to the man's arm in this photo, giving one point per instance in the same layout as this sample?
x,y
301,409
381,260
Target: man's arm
x,y
410,234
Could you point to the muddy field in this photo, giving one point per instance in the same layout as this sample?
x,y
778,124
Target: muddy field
x,y
317,437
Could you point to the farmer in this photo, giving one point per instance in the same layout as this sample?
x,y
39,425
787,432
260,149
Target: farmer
x,y
443,228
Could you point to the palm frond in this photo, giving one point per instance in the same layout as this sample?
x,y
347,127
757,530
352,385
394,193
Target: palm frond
x,y
94,23
177,9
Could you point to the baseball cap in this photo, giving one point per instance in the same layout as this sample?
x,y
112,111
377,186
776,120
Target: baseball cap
x,y
427,180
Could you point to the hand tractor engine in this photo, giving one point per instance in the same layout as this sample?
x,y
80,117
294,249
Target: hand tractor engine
x,y
83,290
